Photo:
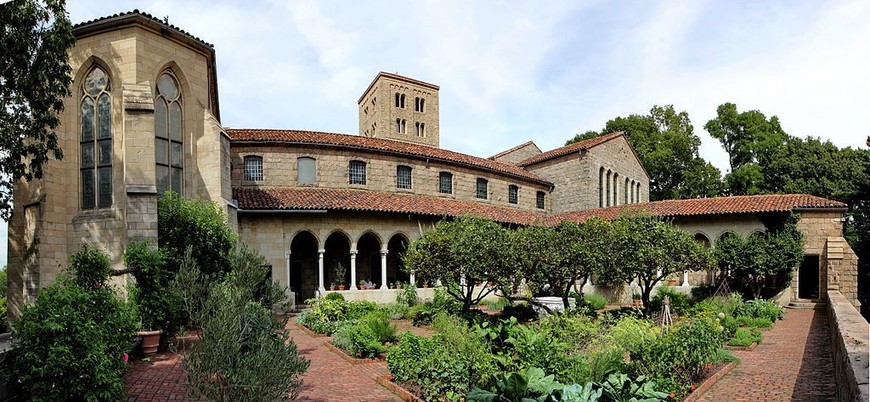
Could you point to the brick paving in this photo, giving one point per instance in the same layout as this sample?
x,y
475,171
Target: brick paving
x,y
329,377
793,363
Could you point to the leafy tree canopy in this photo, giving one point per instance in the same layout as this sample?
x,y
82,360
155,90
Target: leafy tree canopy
x,y
34,79
668,148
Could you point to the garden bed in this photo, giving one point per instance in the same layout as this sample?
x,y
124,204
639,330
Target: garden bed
x,y
714,375
351,359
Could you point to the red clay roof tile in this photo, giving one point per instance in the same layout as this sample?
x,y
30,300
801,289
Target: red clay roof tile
x,y
567,149
379,144
372,201
745,204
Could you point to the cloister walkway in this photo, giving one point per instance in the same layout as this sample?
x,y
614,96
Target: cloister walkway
x,y
793,363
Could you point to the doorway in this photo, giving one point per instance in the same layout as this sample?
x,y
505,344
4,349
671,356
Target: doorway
x,y
808,278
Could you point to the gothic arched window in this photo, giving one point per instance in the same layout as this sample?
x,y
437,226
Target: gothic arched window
x,y
96,140
168,141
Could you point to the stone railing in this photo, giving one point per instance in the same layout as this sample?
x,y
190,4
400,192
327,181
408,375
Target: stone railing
x,y
849,336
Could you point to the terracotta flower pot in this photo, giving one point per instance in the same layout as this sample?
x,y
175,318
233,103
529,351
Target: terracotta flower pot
x,y
150,341
672,282
341,287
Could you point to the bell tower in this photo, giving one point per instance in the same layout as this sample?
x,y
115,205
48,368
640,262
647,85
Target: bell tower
x,y
400,108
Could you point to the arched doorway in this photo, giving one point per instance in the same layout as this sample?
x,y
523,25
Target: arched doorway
x,y
337,254
303,266
397,246
368,259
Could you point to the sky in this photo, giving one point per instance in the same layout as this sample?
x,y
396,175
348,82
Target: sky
x,y
513,71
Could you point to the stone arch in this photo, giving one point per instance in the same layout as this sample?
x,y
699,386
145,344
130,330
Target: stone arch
x,y
304,260
180,76
336,251
396,246
111,69
703,240
368,258
309,231
373,233
725,233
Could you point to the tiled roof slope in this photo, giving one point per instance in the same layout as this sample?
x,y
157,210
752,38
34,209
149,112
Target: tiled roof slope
x,y
372,201
567,149
132,14
507,151
378,144
745,204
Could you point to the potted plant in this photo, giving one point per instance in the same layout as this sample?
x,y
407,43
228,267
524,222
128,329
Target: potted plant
x,y
672,280
332,286
362,284
150,337
340,271
636,300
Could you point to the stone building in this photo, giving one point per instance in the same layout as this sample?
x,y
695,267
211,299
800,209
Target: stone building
x,y
144,118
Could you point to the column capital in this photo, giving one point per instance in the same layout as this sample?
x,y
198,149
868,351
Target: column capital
x,y
384,252
353,252
321,251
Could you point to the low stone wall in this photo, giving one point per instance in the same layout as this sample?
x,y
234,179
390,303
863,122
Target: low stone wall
x,y
849,336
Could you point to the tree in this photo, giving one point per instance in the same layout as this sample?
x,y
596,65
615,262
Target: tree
x,y
748,137
760,257
668,148
554,257
462,253
648,250
34,79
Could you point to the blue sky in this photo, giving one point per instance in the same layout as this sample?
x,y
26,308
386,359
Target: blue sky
x,y
511,71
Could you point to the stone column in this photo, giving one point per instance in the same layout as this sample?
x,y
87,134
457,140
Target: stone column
x,y
685,279
384,270
287,270
320,270
352,270
413,279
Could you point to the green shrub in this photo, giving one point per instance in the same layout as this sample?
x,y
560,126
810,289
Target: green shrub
x,y
442,302
752,322
380,325
244,352
595,301
408,295
198,224
334,296
720,304
767,310
159,307
358,309
575,330
745,337
497,305
410,357
358,340
531,347
522,312
680,302
678,357
72,339
620,387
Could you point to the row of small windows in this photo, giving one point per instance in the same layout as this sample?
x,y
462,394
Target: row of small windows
x,y
356,172
401,127
608,189
419,103
96,137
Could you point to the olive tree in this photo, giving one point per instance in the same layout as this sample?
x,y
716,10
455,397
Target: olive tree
x,y
755,259
647,250
462,253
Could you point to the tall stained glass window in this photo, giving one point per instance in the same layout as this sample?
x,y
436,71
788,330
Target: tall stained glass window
x,y
169,140
96,140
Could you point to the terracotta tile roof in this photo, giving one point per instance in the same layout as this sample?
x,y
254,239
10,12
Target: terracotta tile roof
x,y
567,149
745,204
134,14
509,150
379,144
373,201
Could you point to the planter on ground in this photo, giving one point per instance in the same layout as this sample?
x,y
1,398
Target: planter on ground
x,y
150,341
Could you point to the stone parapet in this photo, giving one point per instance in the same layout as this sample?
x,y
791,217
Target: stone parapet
x,y
849,337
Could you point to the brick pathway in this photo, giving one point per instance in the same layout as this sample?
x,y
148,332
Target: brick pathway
x,y
793,363
329,377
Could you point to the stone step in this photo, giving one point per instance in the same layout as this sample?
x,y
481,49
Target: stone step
x,y
806,305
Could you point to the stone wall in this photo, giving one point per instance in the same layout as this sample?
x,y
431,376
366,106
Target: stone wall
x,y
518,154
377,106
849,337
575,176
280,170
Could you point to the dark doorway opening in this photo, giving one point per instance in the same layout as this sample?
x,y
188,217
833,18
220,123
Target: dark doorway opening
x,y
303,266
808,278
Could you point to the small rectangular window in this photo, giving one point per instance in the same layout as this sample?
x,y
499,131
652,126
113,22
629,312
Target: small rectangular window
x,y
482,188
445,183
513,196
306,170
539,199
253,168
403,177
357,172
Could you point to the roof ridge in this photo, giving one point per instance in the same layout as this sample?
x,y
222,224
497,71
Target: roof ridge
x,y
509,150
567,149
147,16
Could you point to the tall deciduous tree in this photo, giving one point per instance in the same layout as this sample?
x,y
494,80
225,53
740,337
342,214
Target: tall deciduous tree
x,y
668,148
462,253
34,79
